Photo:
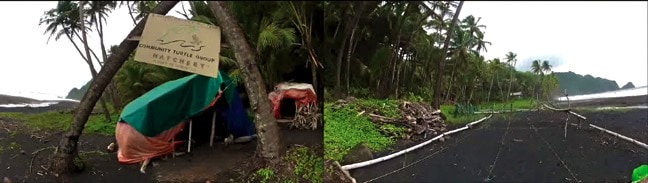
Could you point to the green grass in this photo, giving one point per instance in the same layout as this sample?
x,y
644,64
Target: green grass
x,y
497,106
55,121
344,128
517,104
447,110
304,164
308,165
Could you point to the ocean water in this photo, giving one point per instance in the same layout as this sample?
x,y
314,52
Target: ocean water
x,y
44,98
638,91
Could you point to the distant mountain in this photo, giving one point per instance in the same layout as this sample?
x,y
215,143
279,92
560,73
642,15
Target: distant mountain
x,y
628,85
76,93
577,84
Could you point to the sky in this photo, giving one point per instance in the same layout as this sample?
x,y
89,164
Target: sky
x,y
603,39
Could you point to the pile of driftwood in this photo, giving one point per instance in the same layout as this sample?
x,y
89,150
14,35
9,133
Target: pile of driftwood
x,y
307,117
420,118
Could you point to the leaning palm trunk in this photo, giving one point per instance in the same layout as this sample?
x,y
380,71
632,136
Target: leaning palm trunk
x,y
269,146
63,158
438,85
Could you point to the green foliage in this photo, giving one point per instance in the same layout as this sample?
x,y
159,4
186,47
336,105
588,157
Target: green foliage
x,y
135,78
55,121
308,164
391,130
303,163
265,174
344,128
387,108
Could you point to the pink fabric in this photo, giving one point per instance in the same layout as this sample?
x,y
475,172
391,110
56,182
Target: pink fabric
x,y
133,147
301,97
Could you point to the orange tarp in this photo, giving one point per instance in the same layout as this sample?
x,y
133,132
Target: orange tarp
x,y
135,147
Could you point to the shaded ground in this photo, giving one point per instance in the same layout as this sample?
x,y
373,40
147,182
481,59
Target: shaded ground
x,y
220,163
529,147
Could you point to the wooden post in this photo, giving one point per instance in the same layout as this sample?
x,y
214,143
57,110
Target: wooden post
x,y
211,138
190,129
173,143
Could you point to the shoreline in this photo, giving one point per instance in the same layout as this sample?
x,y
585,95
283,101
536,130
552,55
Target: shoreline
x,y
54,105
641,100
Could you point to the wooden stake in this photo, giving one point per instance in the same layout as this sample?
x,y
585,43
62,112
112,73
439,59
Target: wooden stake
x,y
211,138
190,129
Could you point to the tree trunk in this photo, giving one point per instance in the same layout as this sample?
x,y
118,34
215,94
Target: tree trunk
x,y
112,91
130,12
93,72
270,146
348,59
508,94
399,66
62,160
340,56
452,79
472,90
87,50
490,88
437,87
91,50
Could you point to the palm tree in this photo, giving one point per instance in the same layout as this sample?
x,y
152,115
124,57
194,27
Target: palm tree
x,y
546,69
98,12
510,57
536,68
63,159
67,16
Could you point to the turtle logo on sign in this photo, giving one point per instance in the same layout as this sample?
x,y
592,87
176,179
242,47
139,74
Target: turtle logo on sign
x,y
179,35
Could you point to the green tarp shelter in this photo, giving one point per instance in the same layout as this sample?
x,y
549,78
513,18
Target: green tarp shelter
x,y
173,102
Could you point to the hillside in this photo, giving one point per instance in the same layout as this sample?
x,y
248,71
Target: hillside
x,y
76,93
577,84
628,85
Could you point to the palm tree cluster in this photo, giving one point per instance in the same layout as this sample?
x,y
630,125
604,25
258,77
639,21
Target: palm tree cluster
x,y
283,33
395,49
267,41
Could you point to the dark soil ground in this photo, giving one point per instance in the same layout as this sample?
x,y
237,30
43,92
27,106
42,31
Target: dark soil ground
x,y
220,163
525,147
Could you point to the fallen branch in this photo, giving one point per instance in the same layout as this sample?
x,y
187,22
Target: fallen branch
x,y
383,119
384,158
34,154
565,110
621,136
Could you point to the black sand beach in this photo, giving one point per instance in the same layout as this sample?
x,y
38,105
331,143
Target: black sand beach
x,y
528,147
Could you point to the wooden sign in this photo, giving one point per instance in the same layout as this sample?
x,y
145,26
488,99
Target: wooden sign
x,y
180,44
